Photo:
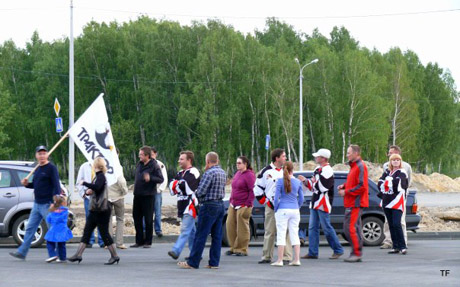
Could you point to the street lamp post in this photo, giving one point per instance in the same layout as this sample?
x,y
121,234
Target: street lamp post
x,y
301,111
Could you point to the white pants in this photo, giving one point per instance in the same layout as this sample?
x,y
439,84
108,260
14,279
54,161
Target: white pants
x,y
287,218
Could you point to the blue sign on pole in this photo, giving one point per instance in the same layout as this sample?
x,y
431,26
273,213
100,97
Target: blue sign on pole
x,y
267,142
59,126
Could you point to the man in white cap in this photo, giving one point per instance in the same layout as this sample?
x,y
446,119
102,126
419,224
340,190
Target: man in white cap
x,y
322,186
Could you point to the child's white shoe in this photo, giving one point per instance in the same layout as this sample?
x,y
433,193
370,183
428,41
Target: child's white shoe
x,y
52,259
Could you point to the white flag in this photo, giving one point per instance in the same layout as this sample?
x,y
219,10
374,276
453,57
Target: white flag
x,y
93,136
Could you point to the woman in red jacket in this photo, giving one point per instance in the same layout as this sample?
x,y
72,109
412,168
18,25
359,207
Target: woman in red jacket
x,y
392,190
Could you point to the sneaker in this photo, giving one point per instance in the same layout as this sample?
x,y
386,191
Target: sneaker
x,y
393,251
277,264
404,251
18,255
308,256
122,247
159,234
229,253
335,256
61,261
51,259
353,259
386,246
240,254
265,261
173,255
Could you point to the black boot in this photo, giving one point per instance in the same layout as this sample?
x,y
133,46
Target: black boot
x,y
77,256
113,255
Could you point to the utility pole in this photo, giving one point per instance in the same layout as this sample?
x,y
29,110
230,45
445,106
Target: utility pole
x,y
71,106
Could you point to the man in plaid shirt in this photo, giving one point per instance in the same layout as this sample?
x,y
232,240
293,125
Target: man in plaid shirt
x,y
210,193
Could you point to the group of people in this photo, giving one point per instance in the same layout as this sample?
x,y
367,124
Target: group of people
x,y
201,209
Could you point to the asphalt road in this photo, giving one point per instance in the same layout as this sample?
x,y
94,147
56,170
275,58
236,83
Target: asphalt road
x,y
152,267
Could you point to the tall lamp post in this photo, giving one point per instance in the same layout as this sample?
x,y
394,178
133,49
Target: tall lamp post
x,y
71,106
301,111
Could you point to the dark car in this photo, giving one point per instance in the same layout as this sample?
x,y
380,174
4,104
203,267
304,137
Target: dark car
x,y
373,217
16,203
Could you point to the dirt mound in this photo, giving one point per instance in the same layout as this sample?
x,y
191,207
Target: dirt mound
x,y
309,165
440,218
374,170
435,182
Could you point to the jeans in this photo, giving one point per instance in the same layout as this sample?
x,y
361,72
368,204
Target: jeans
x,y
60,247
394,222
39,212
209,221
187,234
317,218
303,234
157,211
99,238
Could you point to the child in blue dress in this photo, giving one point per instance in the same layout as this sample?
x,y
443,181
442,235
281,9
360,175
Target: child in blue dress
x,y
58,232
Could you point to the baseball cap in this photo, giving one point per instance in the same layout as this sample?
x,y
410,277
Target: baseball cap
x,y
41,148
323,152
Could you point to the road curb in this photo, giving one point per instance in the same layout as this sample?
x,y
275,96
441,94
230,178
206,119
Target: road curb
x,y
130,239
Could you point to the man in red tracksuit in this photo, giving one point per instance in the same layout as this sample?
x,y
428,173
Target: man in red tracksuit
x,y
356,197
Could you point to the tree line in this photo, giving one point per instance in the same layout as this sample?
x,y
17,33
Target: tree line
x,y
206,87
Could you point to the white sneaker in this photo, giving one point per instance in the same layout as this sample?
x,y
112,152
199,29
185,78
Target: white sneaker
x,y
277,264
52,259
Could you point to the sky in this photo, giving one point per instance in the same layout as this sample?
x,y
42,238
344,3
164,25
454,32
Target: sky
x,y
429,28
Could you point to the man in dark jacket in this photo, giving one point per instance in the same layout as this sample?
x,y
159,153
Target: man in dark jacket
x,y
45,184
148,175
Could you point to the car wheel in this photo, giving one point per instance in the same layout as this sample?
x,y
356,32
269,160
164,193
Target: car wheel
x,y
373,234
19,231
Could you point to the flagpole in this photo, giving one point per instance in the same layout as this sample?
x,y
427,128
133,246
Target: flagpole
x,y
71,105
50,152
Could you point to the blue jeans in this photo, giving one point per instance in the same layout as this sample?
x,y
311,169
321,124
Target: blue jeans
x,y
187,234
157,212
209,221
317,217
99,238
60,247
38,213
303,234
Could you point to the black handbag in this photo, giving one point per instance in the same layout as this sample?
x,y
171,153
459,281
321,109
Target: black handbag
x,y
100,203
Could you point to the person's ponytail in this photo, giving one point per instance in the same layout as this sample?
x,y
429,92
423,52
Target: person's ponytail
x,y
288,167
